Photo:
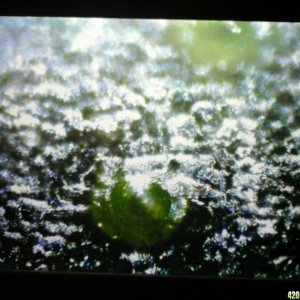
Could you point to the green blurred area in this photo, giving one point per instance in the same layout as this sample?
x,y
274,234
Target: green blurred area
x,y
223,43
124,215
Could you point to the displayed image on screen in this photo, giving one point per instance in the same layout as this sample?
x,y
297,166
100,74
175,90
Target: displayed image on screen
x,y
150,147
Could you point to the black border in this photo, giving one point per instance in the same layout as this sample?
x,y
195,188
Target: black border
x,y
17,284
287,11
56,285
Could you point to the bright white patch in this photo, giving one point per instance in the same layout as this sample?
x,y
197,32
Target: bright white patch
x,y
160,23
295,158
21,189
280,259
262,28
139,182
155,89
14,110
202,105
246,161
106,123
75,188
53,88
37,204
132,257
296,133
234,28
234,102
251,195
247,137
179,121
19,59
39,160
257,168
110,102
178,142
297,210
39,69
57,129
12,235
228,126
266,227
68,206
152,270
91,33
218,256
248,124
2,211
72,116
55,240
95,65
127,115
25,119
231,249
225,234
181,184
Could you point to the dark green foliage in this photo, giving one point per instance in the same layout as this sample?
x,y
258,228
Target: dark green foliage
x,y
124,215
